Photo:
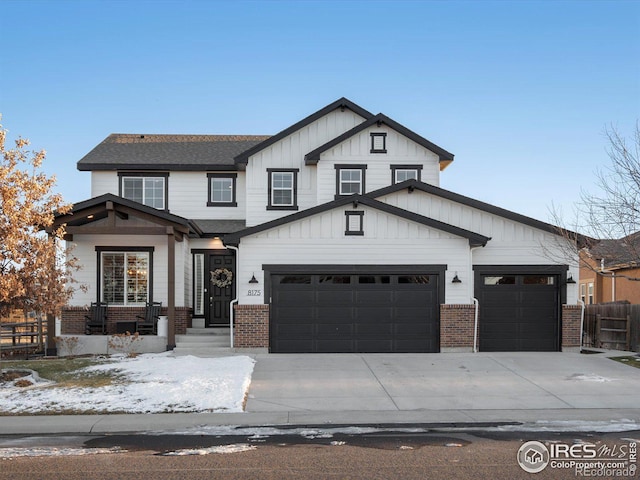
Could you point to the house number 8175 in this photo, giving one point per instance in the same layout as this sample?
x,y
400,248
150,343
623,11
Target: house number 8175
x,y
254,293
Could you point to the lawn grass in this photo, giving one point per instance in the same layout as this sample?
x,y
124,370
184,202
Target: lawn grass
x,y
632,360
65,371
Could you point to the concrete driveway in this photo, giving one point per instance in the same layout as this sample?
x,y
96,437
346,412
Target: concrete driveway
x,y
441,382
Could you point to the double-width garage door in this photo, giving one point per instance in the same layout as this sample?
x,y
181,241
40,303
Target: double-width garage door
x,y
354,313
518,312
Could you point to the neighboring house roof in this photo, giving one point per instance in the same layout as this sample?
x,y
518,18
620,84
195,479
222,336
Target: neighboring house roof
x,y
242,158
621,253
219,227
501,212
445,157
475,239
120,151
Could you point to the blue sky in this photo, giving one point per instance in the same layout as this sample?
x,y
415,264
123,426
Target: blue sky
x,y
519,91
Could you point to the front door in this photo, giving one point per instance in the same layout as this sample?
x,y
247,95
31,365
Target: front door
x,y
220,274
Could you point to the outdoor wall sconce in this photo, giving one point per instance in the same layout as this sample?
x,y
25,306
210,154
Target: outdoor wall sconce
x,y
570,279
253,279
456,279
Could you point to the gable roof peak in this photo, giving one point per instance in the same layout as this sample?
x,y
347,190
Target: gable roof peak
x,y
342,103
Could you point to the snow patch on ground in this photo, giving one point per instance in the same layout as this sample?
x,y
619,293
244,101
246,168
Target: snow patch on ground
x,y
234,448
589,377
151,383
9,453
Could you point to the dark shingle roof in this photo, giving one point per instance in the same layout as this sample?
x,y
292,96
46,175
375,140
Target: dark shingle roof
x,y
219,227
168,152
624,251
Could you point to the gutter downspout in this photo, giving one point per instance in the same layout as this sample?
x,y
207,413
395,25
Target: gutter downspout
x,y
475,300
235,300
581,322
475,326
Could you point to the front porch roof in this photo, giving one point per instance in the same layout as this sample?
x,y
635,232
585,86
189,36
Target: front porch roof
x,y
84,217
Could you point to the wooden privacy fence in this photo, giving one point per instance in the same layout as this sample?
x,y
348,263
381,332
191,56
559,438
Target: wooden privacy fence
x,y
22,334
613,326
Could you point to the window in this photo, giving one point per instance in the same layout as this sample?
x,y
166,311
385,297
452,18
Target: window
x,y
150,190
583,292
378,143
502,280
283,189
590,291
222,190
125,277
355,221
198,284
400,173
350,179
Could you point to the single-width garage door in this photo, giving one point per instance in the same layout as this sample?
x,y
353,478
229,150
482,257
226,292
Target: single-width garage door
x,y
354,313
518,312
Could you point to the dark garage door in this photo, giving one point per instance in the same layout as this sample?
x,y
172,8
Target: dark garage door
x,y
354,313
518,312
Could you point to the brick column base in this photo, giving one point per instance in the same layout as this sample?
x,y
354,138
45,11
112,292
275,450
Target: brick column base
x,y
456,328
251,326
571,327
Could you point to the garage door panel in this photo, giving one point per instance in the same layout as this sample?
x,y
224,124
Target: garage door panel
x,y
336,329
333,297
373,328
333,345
373,297
519,315
360,313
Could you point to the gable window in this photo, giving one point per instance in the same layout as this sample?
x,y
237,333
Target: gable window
x,y
150,190
400,173
124,276
283,189
378,142
350,179
222,190
355,223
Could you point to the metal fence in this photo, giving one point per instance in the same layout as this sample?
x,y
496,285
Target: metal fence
x,y
612,325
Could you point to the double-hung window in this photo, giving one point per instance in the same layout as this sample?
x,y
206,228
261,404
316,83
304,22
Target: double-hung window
x,y
350,179
222,190
150,190
283,189
400,173
125,276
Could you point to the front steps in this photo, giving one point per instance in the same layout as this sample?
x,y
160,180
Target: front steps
x,y
204,342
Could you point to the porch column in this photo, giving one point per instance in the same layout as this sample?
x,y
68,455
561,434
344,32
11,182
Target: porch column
x,y
171,288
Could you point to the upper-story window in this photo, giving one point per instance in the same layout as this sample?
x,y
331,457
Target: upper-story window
x,y
400,173
350,179
148,189
222,190
378,142
283,189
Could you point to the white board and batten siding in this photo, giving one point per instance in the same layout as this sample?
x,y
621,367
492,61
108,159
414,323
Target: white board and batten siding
x,y
289,152
321,240
357,150
83,247
512,242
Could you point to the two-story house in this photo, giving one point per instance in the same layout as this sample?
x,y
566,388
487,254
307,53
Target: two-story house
x,y
330,236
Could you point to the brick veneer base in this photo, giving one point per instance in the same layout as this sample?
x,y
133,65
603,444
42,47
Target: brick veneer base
x,y
73,321
251,326
571,315
456,326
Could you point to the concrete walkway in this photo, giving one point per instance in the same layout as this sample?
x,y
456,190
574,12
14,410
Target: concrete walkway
x,y
539,389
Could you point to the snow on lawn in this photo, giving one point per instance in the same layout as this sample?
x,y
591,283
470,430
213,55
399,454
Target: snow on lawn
x,y
150,383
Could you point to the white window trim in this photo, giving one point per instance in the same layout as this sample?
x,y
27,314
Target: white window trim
x,y
144,181
283,189
350,182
